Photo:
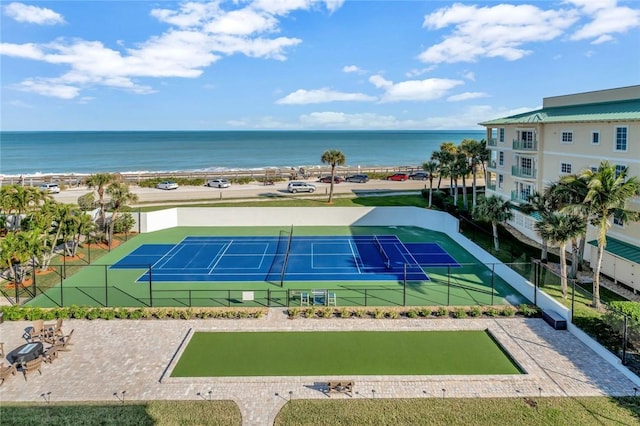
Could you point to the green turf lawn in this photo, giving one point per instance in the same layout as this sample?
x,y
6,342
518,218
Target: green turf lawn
x,y
97,285
343,353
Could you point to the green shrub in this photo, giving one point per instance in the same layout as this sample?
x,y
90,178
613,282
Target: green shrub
x,y
475,311
412,313
293,313
33,314
107,313
124,223
86,202
122,313
459,313
78,312
93,313
48,314
326,312
442,311
528,310
345,313
378,314
136,313
491,312
393,314
508,311
308,313
361,313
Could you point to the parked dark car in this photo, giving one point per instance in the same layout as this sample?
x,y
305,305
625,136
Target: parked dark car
x,y
398,176
419,176
357,178
327,179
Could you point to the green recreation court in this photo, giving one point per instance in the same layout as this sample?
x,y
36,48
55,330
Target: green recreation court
x,y
322,353
220,277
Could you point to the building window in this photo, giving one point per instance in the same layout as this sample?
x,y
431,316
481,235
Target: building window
x,y
565,168
620,169
621,139
526,136
567,137
595,138
501,158
500,181
501,134
617,220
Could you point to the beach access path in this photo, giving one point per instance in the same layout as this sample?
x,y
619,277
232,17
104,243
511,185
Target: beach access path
x,y
257,190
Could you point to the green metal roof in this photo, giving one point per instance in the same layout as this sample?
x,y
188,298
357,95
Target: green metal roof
x,y
621,249
605,111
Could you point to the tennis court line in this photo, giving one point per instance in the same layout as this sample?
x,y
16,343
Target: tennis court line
x,y
219,257
356,258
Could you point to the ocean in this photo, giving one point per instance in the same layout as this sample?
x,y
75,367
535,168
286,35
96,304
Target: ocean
x,y
87,152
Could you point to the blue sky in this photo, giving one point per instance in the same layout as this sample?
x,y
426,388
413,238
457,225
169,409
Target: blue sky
x,y
302,64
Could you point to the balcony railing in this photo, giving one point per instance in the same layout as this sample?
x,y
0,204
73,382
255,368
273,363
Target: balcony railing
x,y
523,172
519,145
492,142
491,164
491,186
519,196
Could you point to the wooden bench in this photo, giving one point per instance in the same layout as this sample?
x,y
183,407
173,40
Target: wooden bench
x,y
554,319
340,387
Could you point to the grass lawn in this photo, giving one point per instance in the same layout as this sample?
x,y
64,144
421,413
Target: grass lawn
x,y
343,353
582,411
158,413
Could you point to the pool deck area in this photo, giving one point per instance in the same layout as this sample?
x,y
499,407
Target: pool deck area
x,y
137,356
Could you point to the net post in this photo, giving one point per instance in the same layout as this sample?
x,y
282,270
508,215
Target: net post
x,y
448,285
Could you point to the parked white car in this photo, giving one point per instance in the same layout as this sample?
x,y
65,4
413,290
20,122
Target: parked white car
x,y
167,184
296,186
51,188
218,183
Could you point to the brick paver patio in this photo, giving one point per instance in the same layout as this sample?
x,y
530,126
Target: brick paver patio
x,y
137,356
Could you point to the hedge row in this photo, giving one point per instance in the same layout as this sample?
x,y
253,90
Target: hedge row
x,y
424,312
20,313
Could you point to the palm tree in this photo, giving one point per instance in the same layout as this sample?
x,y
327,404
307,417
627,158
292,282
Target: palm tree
x,y
478,154
430,167
607,195
100,181
121,197
558,228
572,190
334,158
544,204
495,210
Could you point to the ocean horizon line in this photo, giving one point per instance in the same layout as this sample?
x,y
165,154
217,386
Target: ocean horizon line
x,y
247,131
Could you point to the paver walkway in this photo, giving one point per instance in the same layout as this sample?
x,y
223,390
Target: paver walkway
x,y
137,356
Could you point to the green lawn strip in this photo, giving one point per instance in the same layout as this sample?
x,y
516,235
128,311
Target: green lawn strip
x,y
157,413
342,353
584,411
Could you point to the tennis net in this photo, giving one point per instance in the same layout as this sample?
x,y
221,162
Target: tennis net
x,y
286,257
385,256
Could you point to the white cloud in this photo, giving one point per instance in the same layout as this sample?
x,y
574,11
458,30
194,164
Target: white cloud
x,y
415,72
199,35
469,75
413,90
607,18
32,14
302,97
351,68
466,96
492,31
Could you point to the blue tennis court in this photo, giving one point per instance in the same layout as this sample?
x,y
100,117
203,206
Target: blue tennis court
x,y
272,259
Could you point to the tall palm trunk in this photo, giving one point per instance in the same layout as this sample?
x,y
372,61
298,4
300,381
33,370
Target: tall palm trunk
x,y
596,277
563,270
496,242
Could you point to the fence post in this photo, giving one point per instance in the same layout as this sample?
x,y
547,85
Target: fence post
x,y
573,297
33,271
624,340
448,285
150,289
190,298
365,297
268,297
288,297
535,282
404,288
106,287
61,293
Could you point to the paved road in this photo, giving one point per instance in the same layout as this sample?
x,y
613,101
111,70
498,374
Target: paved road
x,y
252,190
